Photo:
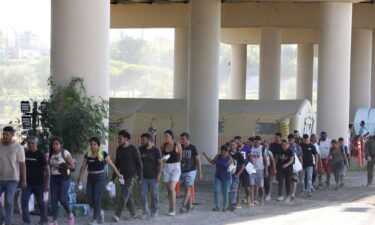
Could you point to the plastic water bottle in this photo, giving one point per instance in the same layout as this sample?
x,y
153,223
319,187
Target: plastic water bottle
x,y
80,186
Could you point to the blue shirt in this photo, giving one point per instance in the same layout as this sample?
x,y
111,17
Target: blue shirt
x,y
222,165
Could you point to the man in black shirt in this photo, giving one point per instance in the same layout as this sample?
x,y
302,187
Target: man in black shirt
x,y
239,162
190,163
129,163
284,167
37,184
276,147
309,157
151,160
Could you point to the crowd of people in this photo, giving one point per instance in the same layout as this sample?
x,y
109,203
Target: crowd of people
x,y
298,163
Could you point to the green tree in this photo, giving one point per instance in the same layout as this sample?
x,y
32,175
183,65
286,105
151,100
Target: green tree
x,y
76,117
127,49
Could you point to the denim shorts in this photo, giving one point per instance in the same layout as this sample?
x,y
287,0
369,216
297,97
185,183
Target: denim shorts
x,y
188,177
257,178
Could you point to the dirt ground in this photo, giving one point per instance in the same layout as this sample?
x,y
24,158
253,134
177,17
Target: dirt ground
x,y
352,204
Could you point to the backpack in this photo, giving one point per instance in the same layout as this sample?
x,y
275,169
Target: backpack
x,y
63,156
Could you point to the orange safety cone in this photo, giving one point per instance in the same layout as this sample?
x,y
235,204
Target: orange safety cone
x,y
193,194
359,147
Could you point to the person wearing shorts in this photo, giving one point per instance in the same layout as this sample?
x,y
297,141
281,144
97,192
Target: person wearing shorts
x,y
259,159
245,150
172,168
324,167
190,164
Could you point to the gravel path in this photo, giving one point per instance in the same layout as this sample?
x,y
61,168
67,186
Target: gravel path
x,y
353,204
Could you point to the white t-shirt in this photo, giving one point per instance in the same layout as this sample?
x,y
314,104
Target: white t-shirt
x,y
324,147
57,160
317,151
10,157
257,156
363,131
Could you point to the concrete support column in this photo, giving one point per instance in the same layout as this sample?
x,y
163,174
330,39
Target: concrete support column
x,y
334,68
373,72
360,71
270,56
80,44
181,62
203,94
238,71
305,68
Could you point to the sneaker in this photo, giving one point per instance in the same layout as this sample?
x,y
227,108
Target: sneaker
x,y
101,217
280,198
342,185
232,208
154,214
216,209
182,209
267,198
171,213
93,222
224,210
144,217
115,218
286,200
53,223
71,220
238,206
309,195
292,197
336,188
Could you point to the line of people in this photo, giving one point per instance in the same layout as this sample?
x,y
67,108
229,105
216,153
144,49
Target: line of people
x,y
249,165
295,162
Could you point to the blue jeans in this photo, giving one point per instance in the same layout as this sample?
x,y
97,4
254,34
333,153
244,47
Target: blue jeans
x,y
9,187
38,192
59,193
308,173
95,190
221,187
233,190
150,185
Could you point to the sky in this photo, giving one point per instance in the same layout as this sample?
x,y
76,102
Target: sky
x,y
21,15
35,15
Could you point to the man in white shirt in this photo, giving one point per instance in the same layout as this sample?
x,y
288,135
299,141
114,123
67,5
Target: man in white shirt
x,y
314,141
324,167
363,132
12,171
